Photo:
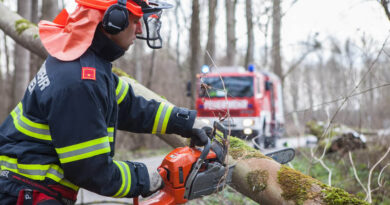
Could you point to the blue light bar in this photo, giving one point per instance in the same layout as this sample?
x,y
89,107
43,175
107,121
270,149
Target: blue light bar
x,y
251,68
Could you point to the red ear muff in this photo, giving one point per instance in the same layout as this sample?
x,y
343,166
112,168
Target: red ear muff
x,y
116,18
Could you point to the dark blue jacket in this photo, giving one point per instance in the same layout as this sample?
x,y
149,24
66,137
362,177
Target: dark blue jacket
x,y
63,130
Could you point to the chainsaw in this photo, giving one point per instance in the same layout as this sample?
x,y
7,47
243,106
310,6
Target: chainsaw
x,y
190,172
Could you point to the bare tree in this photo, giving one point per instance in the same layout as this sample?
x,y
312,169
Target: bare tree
x,y
385,5
231,46
195,48
251,38
276,29
35,61
49,9
210,47
21,60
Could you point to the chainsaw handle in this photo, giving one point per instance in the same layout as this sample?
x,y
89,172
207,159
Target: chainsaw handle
x,y
206,150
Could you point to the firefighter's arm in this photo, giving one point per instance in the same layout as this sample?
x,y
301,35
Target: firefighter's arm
x,y
136,114
82,143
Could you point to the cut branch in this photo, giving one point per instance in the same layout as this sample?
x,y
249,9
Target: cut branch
x,y
26,34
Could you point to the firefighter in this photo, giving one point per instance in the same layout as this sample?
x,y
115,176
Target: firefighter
x,y
61,136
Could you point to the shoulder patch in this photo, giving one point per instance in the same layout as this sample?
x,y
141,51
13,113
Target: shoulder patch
x,y
88,73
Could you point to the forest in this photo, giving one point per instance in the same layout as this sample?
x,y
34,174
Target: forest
x,y
331,83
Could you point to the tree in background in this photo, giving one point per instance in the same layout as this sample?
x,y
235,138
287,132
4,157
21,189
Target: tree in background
x,y
21,60
210,47
195,48
231,40
276,29
251,39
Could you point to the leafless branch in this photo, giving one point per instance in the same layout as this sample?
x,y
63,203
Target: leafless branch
x,y
369,198
355,172
340,99
380,184
385,4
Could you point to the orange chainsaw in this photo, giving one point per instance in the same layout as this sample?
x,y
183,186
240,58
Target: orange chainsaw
x,y
190,172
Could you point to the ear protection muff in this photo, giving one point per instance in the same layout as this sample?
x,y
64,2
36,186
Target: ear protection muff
x,y
116,18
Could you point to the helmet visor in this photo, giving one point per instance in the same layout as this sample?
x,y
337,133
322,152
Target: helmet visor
x,y
151,23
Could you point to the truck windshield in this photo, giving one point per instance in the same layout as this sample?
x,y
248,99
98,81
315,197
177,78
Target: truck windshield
x,y
235,87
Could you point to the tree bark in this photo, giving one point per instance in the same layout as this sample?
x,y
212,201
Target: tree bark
x,y
26,36
195,48
276,27
210,47
21,60
231,32
49,9
256,176
35,61
251,39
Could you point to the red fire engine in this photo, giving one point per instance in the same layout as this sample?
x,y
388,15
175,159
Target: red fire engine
x,y
252,99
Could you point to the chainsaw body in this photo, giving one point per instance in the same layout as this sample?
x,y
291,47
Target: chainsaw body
x,y
190,172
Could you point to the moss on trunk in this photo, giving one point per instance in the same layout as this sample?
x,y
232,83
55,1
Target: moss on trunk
x,y
22,24
239,149
300,188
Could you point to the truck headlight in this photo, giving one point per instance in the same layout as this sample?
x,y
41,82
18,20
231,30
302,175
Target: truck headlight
x,y
248,131
248,122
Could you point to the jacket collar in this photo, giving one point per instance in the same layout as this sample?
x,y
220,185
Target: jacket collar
x,y
105,48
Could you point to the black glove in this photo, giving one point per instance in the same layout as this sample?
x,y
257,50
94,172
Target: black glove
x,y
200,132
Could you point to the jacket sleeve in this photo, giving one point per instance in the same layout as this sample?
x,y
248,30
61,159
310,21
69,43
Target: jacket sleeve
x,y
136,114
80,137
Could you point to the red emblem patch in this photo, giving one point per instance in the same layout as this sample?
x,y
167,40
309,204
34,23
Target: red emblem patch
x,y
88,73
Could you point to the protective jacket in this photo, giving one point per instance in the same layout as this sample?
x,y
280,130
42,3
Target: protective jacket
x,y
63,130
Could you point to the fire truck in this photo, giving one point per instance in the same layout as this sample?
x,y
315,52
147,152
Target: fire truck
x,y
249,102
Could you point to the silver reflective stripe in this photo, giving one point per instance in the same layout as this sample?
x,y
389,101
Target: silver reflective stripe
x,y
84,150
34,172
110,134
122,90
28,127
162,117
125,180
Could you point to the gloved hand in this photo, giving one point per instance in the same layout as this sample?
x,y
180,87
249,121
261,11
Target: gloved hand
x,y
200,132
156,182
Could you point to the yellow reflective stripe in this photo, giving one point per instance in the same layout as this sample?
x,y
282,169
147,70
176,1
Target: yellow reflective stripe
x,y
157,118
84,150
36,171
81,145
124,93
121,90
27,127
110,132
69,184
118,87
124,169
166,119
129,179
29,122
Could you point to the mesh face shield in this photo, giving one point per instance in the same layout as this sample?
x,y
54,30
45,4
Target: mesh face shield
x,y
151,23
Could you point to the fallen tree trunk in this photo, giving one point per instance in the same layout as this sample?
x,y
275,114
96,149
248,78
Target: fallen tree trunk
x,y
256,176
